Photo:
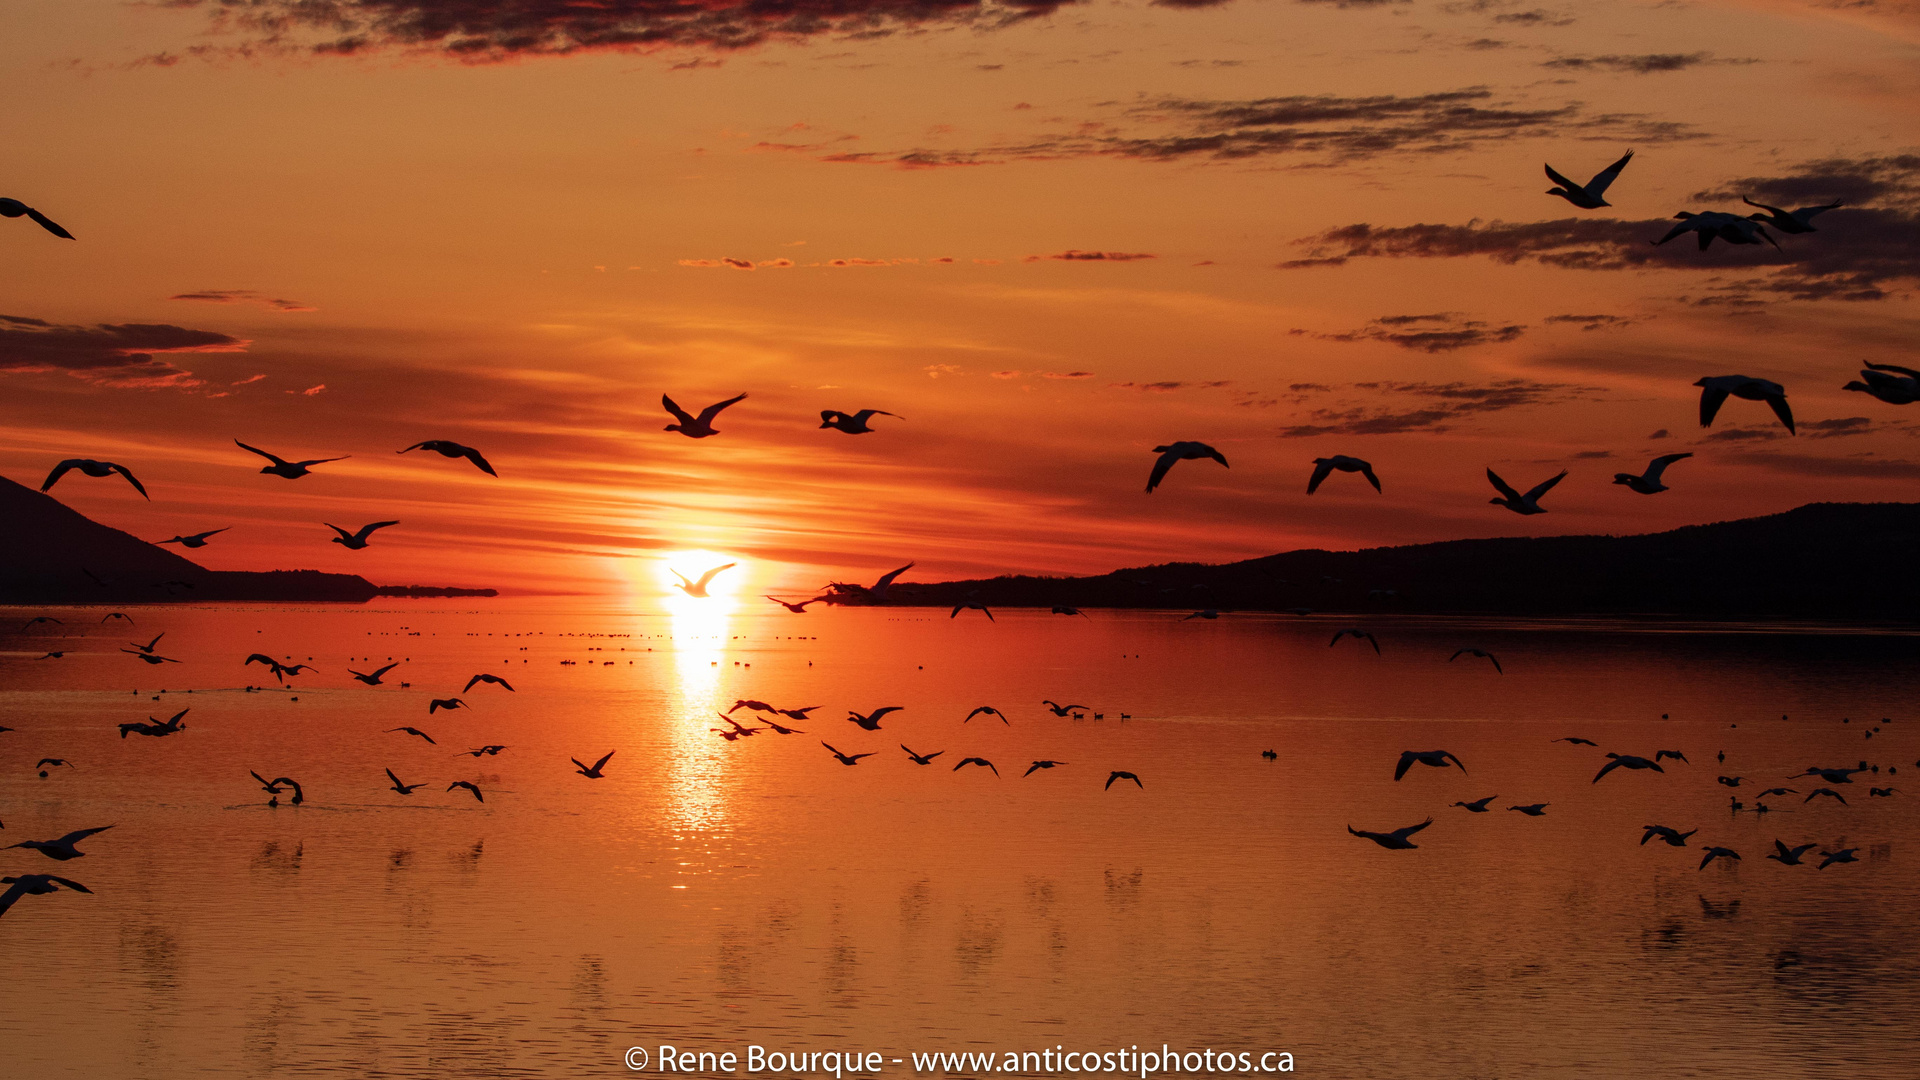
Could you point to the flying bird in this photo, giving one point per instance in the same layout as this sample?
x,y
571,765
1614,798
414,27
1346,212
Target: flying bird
x,y
698,589
1477,806
1831,776
799,608
148,647
1358,634
470,786
453,450
1648,483
1204,613
1671,837
414,731
1714,225
991,711
1827,858
483,678
1122,774
1713,853
845,759
1058,710
62,849
593,771
1627,761
1438,759
874,594
1789,856
696,427
1043,763
42,884
1532,810
1732,781
292,470
484,751
197,540
921,759
354,541
871,721
1882,792
1901,389
854,423
1827,791
404,789
437,704
1662,755
372,679
1577,741
1790,221
1323,467
1180,451
1484,654
154,659
1395,840
1518,503
95,469
972,605
13,208
1716,388
964,762
1592,194
37,619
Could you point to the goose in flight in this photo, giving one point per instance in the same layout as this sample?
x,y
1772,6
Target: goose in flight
x,y
373,678
1122,774
1882,792
1648,483
972,605
1662,755
1900,389
1323,467
154,659
156,728
1789,856
991,711
1713,225
1831,776
1828,858
438,703
1180,451
280,671
799,608
778,730
593,771
1358,634
414,731
1790,221
1483,654
1395,840
112,615
1778,791
13,208
1533,809
95,469
696,427
845,759
449,449
1058,710
484,751
1716,388
964,762
1671,837
197,540
1713,853
1627,761
1438,759
1577,741
871,721
853,423
37,620
62,849
404,789
738,728
874,594
1042,763
292,470
1518,503
484,678
698,589
470,786
1592,194
354,541
42,884
1827,791
921,759
1477,806
755,705
149,646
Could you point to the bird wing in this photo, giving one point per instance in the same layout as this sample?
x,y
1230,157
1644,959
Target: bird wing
x,y
1908,372
80,834
1605,769
707,414
1321,471
1366,470
1496,667
1771,210
708,576
1780,409
1030,769
603,760
59,471
1502,486
887,579
210,532
1659,465
1808,213
679,413
382,671
1711,398
1561,180
1603,179
473,455
865,415
275,458
344,534
884,710
367,530
1411,829
1456,761
1684,227
395,779
1406,762
47,223
1544,486
131,479
1160,468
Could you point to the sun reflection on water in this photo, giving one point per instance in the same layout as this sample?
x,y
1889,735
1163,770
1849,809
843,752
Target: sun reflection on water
x,y
699,630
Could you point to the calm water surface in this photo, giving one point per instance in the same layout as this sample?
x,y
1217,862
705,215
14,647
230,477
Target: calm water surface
x,y
712,894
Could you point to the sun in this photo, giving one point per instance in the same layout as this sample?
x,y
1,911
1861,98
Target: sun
x,y
692,564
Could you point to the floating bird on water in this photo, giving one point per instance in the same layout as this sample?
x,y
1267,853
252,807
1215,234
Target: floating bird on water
x,y
845,759
1477,806
95,469
372,679
1901,389
61,849
484,678
1518,503
1358,634
14,208
354,541
1122,774
437,704
593,771
964,762
1438,759
696,427
1481,653
1716,388
991,711
1790,221
453,450
404,789
1662,755
413,731
972,605
871,721
470,786
1577,741
1789,856
1592,194
1395,840
799,608
292,470
1827,791
1672,837
1180,451
1648,483
853,423
197,540
1533,810
921,759
698,589
1715,225
1828,858
1323,467
1041,764
1713,853
1058,710
1626,761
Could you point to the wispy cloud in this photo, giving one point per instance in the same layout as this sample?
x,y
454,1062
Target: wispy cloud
x,y
1440,406
1072,255
243,296
1440,332
1641,63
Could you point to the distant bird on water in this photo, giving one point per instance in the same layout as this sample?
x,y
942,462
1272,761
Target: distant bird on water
x,y
13,208
1713,853
1438,759
197,540
1627,761
354,541
845,759
95,469
292,470
1477,806
1358,634
990,711
470,786
1648,483
373,678
485,678
853,423
34,884
593,771
1790,221
1395,840
1180,451
1480,653
1122,774
1323,467
1716,388
449,449
1592,194
62,849
696,427
1518,503
698,589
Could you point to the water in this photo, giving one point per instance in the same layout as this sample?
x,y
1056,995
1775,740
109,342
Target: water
x,y
711,894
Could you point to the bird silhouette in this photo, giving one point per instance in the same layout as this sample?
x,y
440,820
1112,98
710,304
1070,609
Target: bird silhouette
x,y
1438,759
404,789
1477,806
1043,763
871,721
1648,483
972,605
1778,791
1713,853
1831,776
778,730
865,594
1715,225
1828,792
437,704
299,793
197,540
1122,774
484,678
354,541
449,449
292,470
1204,613
845,759
13,208
1716,388
1828,858
964,762
1671,837
37,884
413,731
1323,467
991,711
921,759
698,589
1789,856
373,678
1395,840
483,751
95,469
1058,710
1627,761
1180,451
1732,781
154,659
1577,741
593,771
1064,609
1532,810
61,849
1518,503
799,608
149,646
1592,194
696,427
1790,221
1480,653
853,423
1358,634
1663,755
1900,389
470,786
1882,792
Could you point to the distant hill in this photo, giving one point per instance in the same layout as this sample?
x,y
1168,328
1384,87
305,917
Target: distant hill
x,y
52,554
1823,560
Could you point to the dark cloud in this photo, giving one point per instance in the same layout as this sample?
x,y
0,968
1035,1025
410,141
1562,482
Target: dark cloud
x,y
110,354
1746,435
1535,17
243,296
1591,322
1169,387
1831,429
1440,332
1584,454
1071,255
1641,64
1866,466
1446,404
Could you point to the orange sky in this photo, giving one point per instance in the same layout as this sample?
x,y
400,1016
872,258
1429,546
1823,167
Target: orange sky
x,y
521,248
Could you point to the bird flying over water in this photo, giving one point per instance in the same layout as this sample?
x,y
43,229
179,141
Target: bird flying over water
x,y
404,789
1438,759
1831,776
292,470
1627,761
871,721
484,678
197,540
1323,467
696,427
964,762
593,771
799,608
1648,483
1480,653
921,759
845,759
1066,609
991,711
437,704
1716,388
413,731
1532,810
13,208
1058,710
1789,856
1577,741
1043,763
61,849
148,647
1180,451
470,786
1790,221
1518,503
354,541
1828,858
1395,840
1592,194
1828,792
1357,633
484,751
152,658
1122,774
972,605
372,679
698,589
449,449
855,423
1662,755
95,469
1713,853
1671,837
1477,806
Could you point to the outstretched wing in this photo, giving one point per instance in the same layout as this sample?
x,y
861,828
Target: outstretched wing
x,y
1561,180
473,455
1544,486
1782,410
1457,762
887,579
1411,829
1802,215
59,471
1502,486
47,223
1711,398
602,762
276,459
80,834
707,414
1659,465
1406,762
344,535
395,779
1605,769
367,530
1160,468
865,415
1366,470
1321,471
679,413
131,479
1597,187
708,576
1684,227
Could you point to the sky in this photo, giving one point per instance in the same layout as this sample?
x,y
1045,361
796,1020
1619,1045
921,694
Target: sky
x,y
1049,236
